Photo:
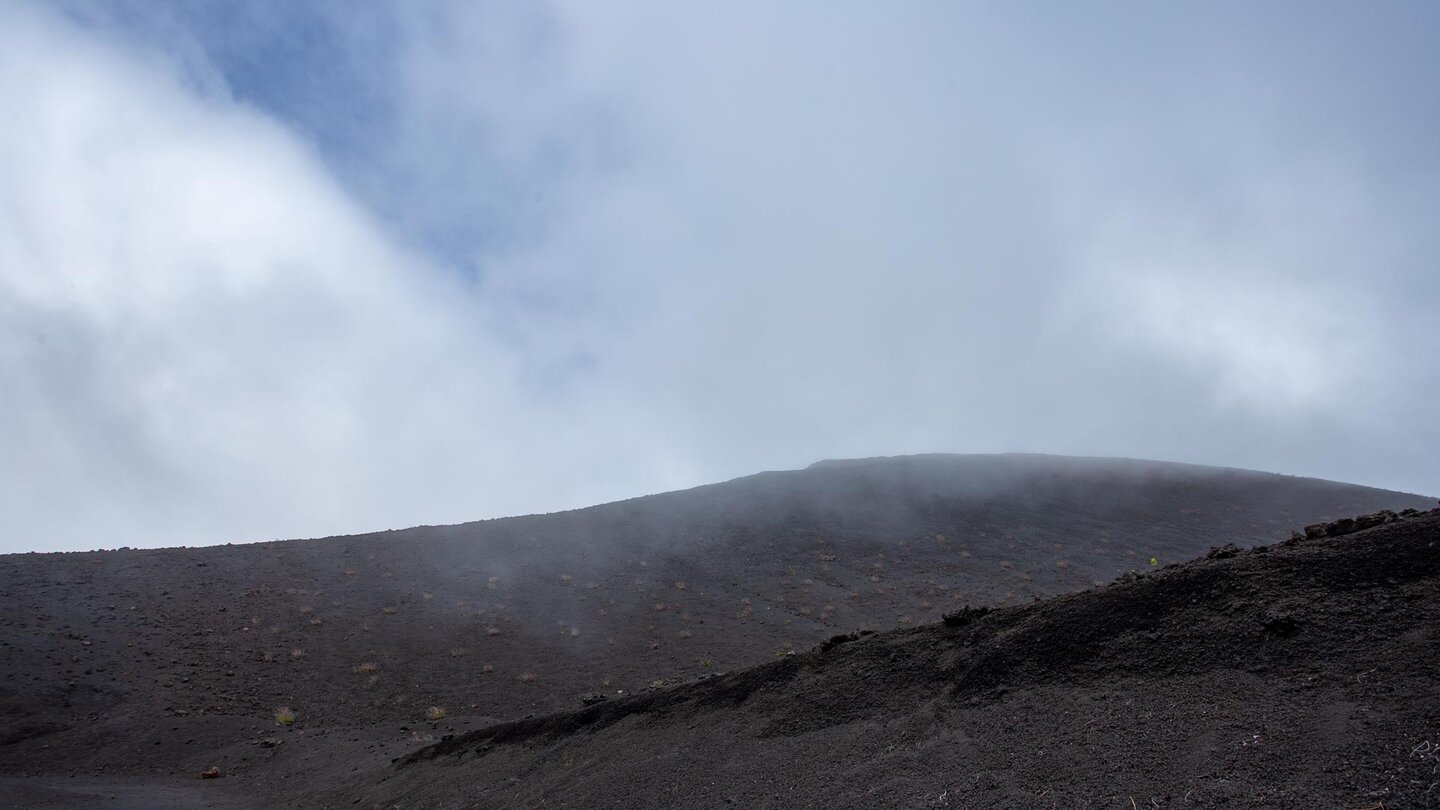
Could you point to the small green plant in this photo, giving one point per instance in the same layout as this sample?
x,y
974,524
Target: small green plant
x,y
285,717
435,713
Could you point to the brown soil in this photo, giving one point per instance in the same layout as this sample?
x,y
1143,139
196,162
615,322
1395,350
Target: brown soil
x,y
129,673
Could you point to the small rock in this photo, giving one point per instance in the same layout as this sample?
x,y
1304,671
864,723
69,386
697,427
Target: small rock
x,y
211,773
1341,527
1281,624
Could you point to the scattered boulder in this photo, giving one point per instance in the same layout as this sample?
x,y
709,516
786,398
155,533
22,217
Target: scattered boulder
x,y
964,616
1281,623
1341,527
1374,519
835,641
1224,552
1344,526
592,698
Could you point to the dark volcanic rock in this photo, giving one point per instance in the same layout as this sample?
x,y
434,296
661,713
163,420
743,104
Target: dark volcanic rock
x,y
1161,691
132,666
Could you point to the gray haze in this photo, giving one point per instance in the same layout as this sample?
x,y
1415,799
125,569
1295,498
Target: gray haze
x,y
293,269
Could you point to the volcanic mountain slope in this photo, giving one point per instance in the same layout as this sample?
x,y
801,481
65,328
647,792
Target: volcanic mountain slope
x,y
158,664
1302,675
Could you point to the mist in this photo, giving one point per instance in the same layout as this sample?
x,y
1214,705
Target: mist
x,y
271,272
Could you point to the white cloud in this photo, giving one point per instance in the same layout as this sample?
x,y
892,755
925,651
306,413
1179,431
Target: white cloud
x,y
724,239
205,340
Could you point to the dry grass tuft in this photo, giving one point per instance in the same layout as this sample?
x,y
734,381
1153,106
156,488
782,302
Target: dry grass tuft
x,y
285,717
367,668
435,713
529,677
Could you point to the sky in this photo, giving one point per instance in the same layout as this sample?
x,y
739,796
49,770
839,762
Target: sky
x,y
277,269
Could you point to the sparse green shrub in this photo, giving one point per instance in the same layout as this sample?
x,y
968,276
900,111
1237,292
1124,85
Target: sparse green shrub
x,y
435,713
285,717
